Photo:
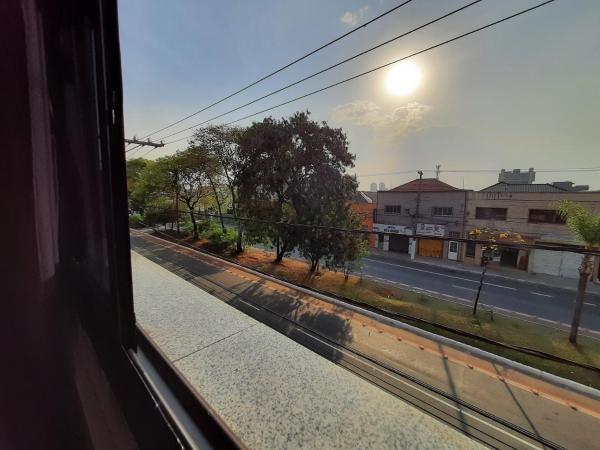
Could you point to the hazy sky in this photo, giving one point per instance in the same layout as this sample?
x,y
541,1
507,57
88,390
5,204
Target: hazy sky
x,y
525,93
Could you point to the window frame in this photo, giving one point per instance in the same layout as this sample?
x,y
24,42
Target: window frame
x,y
395,210
479,209
443,208
557,218
470,245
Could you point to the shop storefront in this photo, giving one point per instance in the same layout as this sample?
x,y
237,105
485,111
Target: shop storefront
x,y
394,238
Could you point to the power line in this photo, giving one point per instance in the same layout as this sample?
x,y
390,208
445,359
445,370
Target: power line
x,y
382,66
329,228
339,38
327,68
481,171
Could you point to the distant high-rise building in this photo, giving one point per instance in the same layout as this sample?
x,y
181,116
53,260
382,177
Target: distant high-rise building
x,y
373,187
516,176
382,186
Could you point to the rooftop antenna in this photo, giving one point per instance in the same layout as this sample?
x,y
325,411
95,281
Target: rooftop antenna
x,y
437,171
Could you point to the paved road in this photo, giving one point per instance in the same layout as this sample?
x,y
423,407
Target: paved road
x,y
531,301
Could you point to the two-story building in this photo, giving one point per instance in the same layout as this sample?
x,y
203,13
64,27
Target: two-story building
x,y
528,210
411,216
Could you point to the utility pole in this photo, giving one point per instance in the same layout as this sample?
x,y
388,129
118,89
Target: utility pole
x,y
139,143
420,172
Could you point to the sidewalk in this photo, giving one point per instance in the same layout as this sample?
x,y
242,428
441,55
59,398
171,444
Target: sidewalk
x,y
492,271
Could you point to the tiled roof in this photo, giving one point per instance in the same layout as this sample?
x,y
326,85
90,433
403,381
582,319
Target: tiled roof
x,y
424,185
508,187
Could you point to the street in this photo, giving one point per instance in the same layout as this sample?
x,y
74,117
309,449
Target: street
x,y
539,302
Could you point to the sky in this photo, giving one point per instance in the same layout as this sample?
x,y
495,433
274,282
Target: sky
x,y
525,93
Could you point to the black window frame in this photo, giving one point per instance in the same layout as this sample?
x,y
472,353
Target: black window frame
x,y
392,209
470,249
554,217
494,213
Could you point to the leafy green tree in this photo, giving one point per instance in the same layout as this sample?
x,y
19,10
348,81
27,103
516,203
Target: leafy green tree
x,y
284,168
265,176
328,204
135,169
586,227
221,142
194,169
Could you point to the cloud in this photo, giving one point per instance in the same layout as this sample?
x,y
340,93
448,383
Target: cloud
x,y
400,121
351,19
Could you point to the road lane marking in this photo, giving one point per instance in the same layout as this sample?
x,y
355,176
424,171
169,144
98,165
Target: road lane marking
x,y
540,294
440,274
462,287
500,286
589,304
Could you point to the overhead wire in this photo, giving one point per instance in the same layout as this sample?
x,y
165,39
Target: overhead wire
x,y
326,69
346,80
297,60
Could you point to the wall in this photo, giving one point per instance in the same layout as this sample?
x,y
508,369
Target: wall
x,y
518,206
453,199
365,211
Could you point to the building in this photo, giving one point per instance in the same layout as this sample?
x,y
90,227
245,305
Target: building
x,y
527,210
570,186
516,176
364,204
410,217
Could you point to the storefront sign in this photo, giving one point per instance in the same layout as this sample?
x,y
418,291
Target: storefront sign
x,y
429,229
395,229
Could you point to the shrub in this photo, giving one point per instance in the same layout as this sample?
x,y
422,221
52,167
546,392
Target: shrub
x,y
135,221
157,216
220,241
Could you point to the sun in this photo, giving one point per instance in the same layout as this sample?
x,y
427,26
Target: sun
x,y
403,78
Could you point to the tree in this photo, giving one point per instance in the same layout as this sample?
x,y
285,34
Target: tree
x,y
347,248
328,204
136,194
194,168
266,174
586,227
291,170
220,141
493,237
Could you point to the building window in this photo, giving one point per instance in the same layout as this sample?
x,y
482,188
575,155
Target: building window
x,y
545,216
392,209
454,234
470,251
442,211
490,213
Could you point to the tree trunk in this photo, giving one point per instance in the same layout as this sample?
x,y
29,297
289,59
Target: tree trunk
x,y
584,273
278,254
238,244
314,265
194,225
214,189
